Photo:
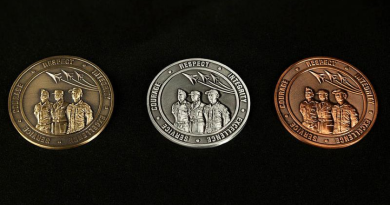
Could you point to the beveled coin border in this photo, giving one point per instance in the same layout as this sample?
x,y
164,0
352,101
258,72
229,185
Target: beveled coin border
x,y
82,137
241,110
285,116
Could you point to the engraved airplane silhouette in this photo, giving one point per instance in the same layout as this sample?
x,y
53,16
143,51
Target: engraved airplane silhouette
x,y
337,80
55,76
209,81
71,81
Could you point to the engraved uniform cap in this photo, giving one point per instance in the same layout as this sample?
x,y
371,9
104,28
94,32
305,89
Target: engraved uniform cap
x,y
211,92
75,90
195,93
339,91
58,91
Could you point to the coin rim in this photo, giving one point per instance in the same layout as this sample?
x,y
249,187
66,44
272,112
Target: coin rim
x,y
67,146
199,146
300,138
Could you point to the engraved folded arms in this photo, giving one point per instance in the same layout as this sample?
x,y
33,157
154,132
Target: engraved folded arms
x,y
61,117
197,117
323,116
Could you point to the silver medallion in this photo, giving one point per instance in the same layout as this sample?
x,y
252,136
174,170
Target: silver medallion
x,y
198,103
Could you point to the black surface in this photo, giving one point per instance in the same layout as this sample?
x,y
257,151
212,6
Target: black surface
x,y
131,163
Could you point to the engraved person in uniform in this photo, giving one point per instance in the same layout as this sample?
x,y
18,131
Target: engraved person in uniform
x,y
180,111
345,115
79,113
42,112
324,113
308,109
216,114
196,113
58,113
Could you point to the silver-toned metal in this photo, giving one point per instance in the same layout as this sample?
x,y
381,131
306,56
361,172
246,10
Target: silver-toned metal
x,y
198,103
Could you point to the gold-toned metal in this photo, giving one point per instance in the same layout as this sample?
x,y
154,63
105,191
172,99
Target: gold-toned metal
x,y
326,102
61,102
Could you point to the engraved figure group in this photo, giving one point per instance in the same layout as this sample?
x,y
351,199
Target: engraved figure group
x,y
61,117
197,117
325,117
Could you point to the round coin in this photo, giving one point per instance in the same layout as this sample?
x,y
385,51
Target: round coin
x,y
61,102
198,103
326,102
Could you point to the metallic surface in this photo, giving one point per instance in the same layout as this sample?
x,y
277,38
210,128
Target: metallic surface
x,y
198,103
61,102
326,102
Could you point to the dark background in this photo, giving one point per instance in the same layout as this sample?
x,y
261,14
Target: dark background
x,y
132,163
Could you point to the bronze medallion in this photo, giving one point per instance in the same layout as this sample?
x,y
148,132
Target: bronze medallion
x,y
61,102
326,102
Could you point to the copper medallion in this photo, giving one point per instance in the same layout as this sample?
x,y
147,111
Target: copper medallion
x,y
326,102
61,102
